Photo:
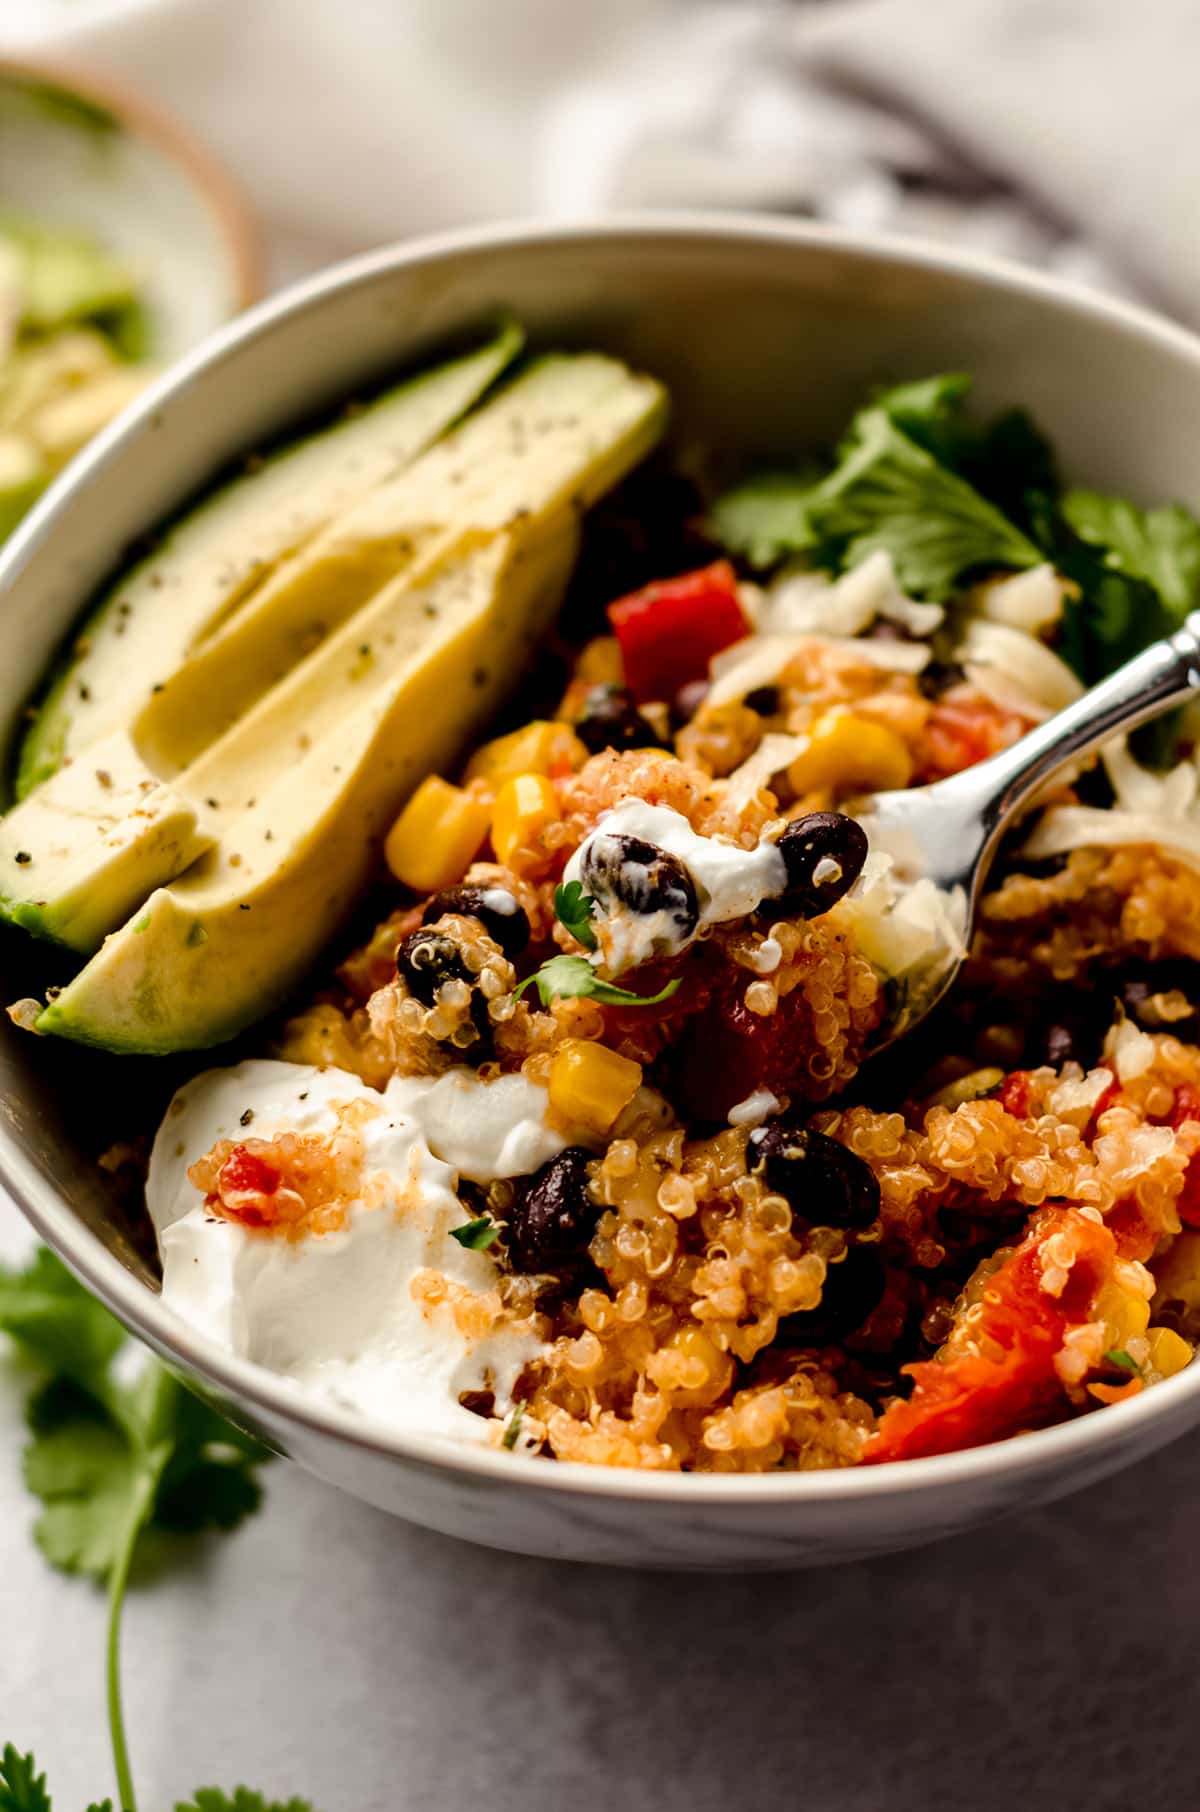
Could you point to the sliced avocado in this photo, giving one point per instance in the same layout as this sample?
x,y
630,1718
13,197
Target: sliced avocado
x,y
65,276
222,945
132,811
160,610
23,477
559,429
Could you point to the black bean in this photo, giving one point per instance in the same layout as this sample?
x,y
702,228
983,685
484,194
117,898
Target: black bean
x,y
824,1183
611,720
426,960
498,911
552,1220
852,1291
1136,982
764,700
688,700
1070,1026
619,870
823,853
938,677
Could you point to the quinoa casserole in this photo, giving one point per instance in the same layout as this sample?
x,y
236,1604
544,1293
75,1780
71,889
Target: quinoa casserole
x,y
576,1145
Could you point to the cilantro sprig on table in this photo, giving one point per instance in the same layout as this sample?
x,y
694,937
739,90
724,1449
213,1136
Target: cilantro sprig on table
x,y
120,1457
949,499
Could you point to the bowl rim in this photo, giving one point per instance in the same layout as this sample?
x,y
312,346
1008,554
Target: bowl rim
x,y
225,200
278,1398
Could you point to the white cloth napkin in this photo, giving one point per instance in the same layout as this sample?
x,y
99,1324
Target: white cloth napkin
x,y
1064,131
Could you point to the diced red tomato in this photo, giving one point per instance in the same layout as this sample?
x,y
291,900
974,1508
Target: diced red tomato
x,y
727,1052
983,1395
963,728
670,630
1014,1095
1187,1107
245,1170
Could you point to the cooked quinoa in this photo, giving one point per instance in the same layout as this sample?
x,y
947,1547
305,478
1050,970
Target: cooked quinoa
x,y
756,1249
716,1312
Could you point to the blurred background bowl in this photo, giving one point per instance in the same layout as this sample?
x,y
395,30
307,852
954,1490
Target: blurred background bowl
x,y
768,334
78,154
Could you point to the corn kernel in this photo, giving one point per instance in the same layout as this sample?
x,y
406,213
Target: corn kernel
x,y
590,1085
851,754
537,748
600,662
524,806
1169,1351
436,836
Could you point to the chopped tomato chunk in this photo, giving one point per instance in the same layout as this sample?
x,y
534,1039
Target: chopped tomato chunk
x,y
1187,1107
670,630
1014,1094
244,1169
966,727
997,1372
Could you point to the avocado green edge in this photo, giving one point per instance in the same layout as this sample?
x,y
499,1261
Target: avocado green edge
x,y
40,752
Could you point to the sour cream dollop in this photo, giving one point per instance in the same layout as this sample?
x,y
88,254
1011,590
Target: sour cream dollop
x,y
729,881
336,1311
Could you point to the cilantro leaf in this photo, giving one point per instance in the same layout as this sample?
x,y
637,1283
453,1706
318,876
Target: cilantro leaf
x,y
21,1790
766,516
574,909
57,1322
567,977
890,493
109,1456
478,1235
242,1799
1119,1357
1161,547
900,485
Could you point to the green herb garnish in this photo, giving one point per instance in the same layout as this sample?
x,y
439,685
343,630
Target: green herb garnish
x,y
512,1433
893,488
1117,1356
568,977
574,909
478,1235
1160,547
118,1458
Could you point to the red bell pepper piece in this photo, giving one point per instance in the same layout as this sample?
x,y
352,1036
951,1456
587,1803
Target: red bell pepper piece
x,y
1187,1107
1006,1378
670,630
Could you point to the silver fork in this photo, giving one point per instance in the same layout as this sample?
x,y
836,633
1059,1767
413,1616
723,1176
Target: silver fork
x,y
953,827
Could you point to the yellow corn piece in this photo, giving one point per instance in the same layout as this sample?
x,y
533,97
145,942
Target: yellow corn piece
x,y
1169,1351
850,754
524,806
600,663
536,748
590,1085
436,836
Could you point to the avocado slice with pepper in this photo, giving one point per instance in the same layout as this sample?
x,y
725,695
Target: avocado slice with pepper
x,y
222,550
223,944
137,807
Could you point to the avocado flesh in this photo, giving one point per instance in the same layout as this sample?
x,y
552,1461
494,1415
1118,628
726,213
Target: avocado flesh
x,y
209,954
160,610
556,430
78,856
23,477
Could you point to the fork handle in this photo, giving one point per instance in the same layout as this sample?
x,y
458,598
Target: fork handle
x,y
1160,676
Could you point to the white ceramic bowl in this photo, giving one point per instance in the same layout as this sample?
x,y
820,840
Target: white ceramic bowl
x,y
768,335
